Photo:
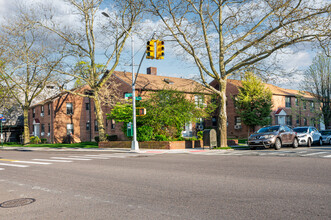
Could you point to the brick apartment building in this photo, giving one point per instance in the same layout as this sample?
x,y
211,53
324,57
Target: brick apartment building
x,y
290,107
65,113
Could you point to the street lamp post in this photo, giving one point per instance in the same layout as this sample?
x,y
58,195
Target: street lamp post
x,y
134,144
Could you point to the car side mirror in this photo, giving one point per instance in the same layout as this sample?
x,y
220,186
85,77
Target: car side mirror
x,y
282,131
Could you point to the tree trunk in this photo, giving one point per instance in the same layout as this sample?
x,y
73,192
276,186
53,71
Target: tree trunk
x,y
26,125
99,116
222,116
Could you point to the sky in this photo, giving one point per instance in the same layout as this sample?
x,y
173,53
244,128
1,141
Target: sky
x,y
291,59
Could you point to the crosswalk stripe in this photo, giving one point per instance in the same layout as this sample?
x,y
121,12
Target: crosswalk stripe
x,y
31,162
90,157
66,158
314,154
63,161
1,168
327,156
13,165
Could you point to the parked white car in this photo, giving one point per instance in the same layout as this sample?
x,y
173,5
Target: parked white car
x,y
326,136
308,136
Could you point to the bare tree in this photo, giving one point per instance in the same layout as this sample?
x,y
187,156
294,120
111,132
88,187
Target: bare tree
x,y
318,82
27,63
94,35
224,37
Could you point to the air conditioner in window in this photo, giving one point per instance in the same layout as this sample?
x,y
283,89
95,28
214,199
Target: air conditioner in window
x,y
41,114
42,133
48,134
237,127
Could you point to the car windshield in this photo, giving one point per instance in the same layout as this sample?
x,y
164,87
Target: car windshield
x,y
325,132
300,130
268,129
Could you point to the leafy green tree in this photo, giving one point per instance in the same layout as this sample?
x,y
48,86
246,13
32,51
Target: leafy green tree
x,y
166,112
253,102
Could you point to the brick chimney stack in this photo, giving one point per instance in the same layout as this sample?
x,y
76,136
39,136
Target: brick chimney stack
x,y
152,71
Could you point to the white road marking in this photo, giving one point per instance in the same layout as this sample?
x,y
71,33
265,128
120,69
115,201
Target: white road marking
x,y
63,161
88,157
19,161
12,165
66,158
315,154
327,156
1,168
301,152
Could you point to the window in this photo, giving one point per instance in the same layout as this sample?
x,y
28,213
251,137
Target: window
x,y
298,120
96,125
69,109
312,121
87,106
49,109
214,121
305,121
288,102
88,126
237,120
288,120
312,106
198,100
296,102
49,128
42,128
42,109
304,105
70,129
112,124
33,112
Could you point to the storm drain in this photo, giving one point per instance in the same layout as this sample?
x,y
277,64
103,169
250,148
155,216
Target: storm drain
x,y
17,202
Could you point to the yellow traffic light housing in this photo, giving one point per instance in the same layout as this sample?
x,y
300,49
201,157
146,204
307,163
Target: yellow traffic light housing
x,y
159,50
140,111
150,50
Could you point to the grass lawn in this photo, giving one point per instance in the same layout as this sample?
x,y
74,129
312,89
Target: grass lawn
x,y
75,145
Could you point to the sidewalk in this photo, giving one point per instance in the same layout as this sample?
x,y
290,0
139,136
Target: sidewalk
x,y
115,150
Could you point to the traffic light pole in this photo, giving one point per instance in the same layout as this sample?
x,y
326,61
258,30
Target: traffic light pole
x,y
134,144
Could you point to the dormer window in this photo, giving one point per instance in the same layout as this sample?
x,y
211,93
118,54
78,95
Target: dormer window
x,y
168,81
70,110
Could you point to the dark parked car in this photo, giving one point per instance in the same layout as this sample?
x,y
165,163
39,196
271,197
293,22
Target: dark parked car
x,y
273,136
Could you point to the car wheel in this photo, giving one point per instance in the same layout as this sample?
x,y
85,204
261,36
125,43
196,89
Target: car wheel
x,y
309,142
278,144
320,142
295,143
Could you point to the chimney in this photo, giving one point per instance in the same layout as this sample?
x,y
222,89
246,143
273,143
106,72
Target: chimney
x,y
151,71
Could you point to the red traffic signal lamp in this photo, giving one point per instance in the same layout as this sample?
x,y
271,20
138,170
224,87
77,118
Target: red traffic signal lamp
x,y
150,49
159,50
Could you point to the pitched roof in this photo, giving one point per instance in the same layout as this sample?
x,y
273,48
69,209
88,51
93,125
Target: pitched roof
x,y
277,90
155,83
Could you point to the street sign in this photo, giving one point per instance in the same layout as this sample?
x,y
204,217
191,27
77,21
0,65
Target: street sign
x,y
138,98
127,95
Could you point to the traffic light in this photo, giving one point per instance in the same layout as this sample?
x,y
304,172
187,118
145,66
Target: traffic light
x,y
159,50
150,49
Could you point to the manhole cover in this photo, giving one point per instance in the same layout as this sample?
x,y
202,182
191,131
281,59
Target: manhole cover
x,y
17,202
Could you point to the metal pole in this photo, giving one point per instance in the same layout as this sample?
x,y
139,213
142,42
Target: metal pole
x,y
1,134
134,144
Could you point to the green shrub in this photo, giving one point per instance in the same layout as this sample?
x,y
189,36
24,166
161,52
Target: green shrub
x,y
43,140
200,135
34,140
112,137
97,139
192,139
144,133
180,139
161,137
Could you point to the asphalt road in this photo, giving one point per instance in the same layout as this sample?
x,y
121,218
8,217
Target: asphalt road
x,y
164,186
